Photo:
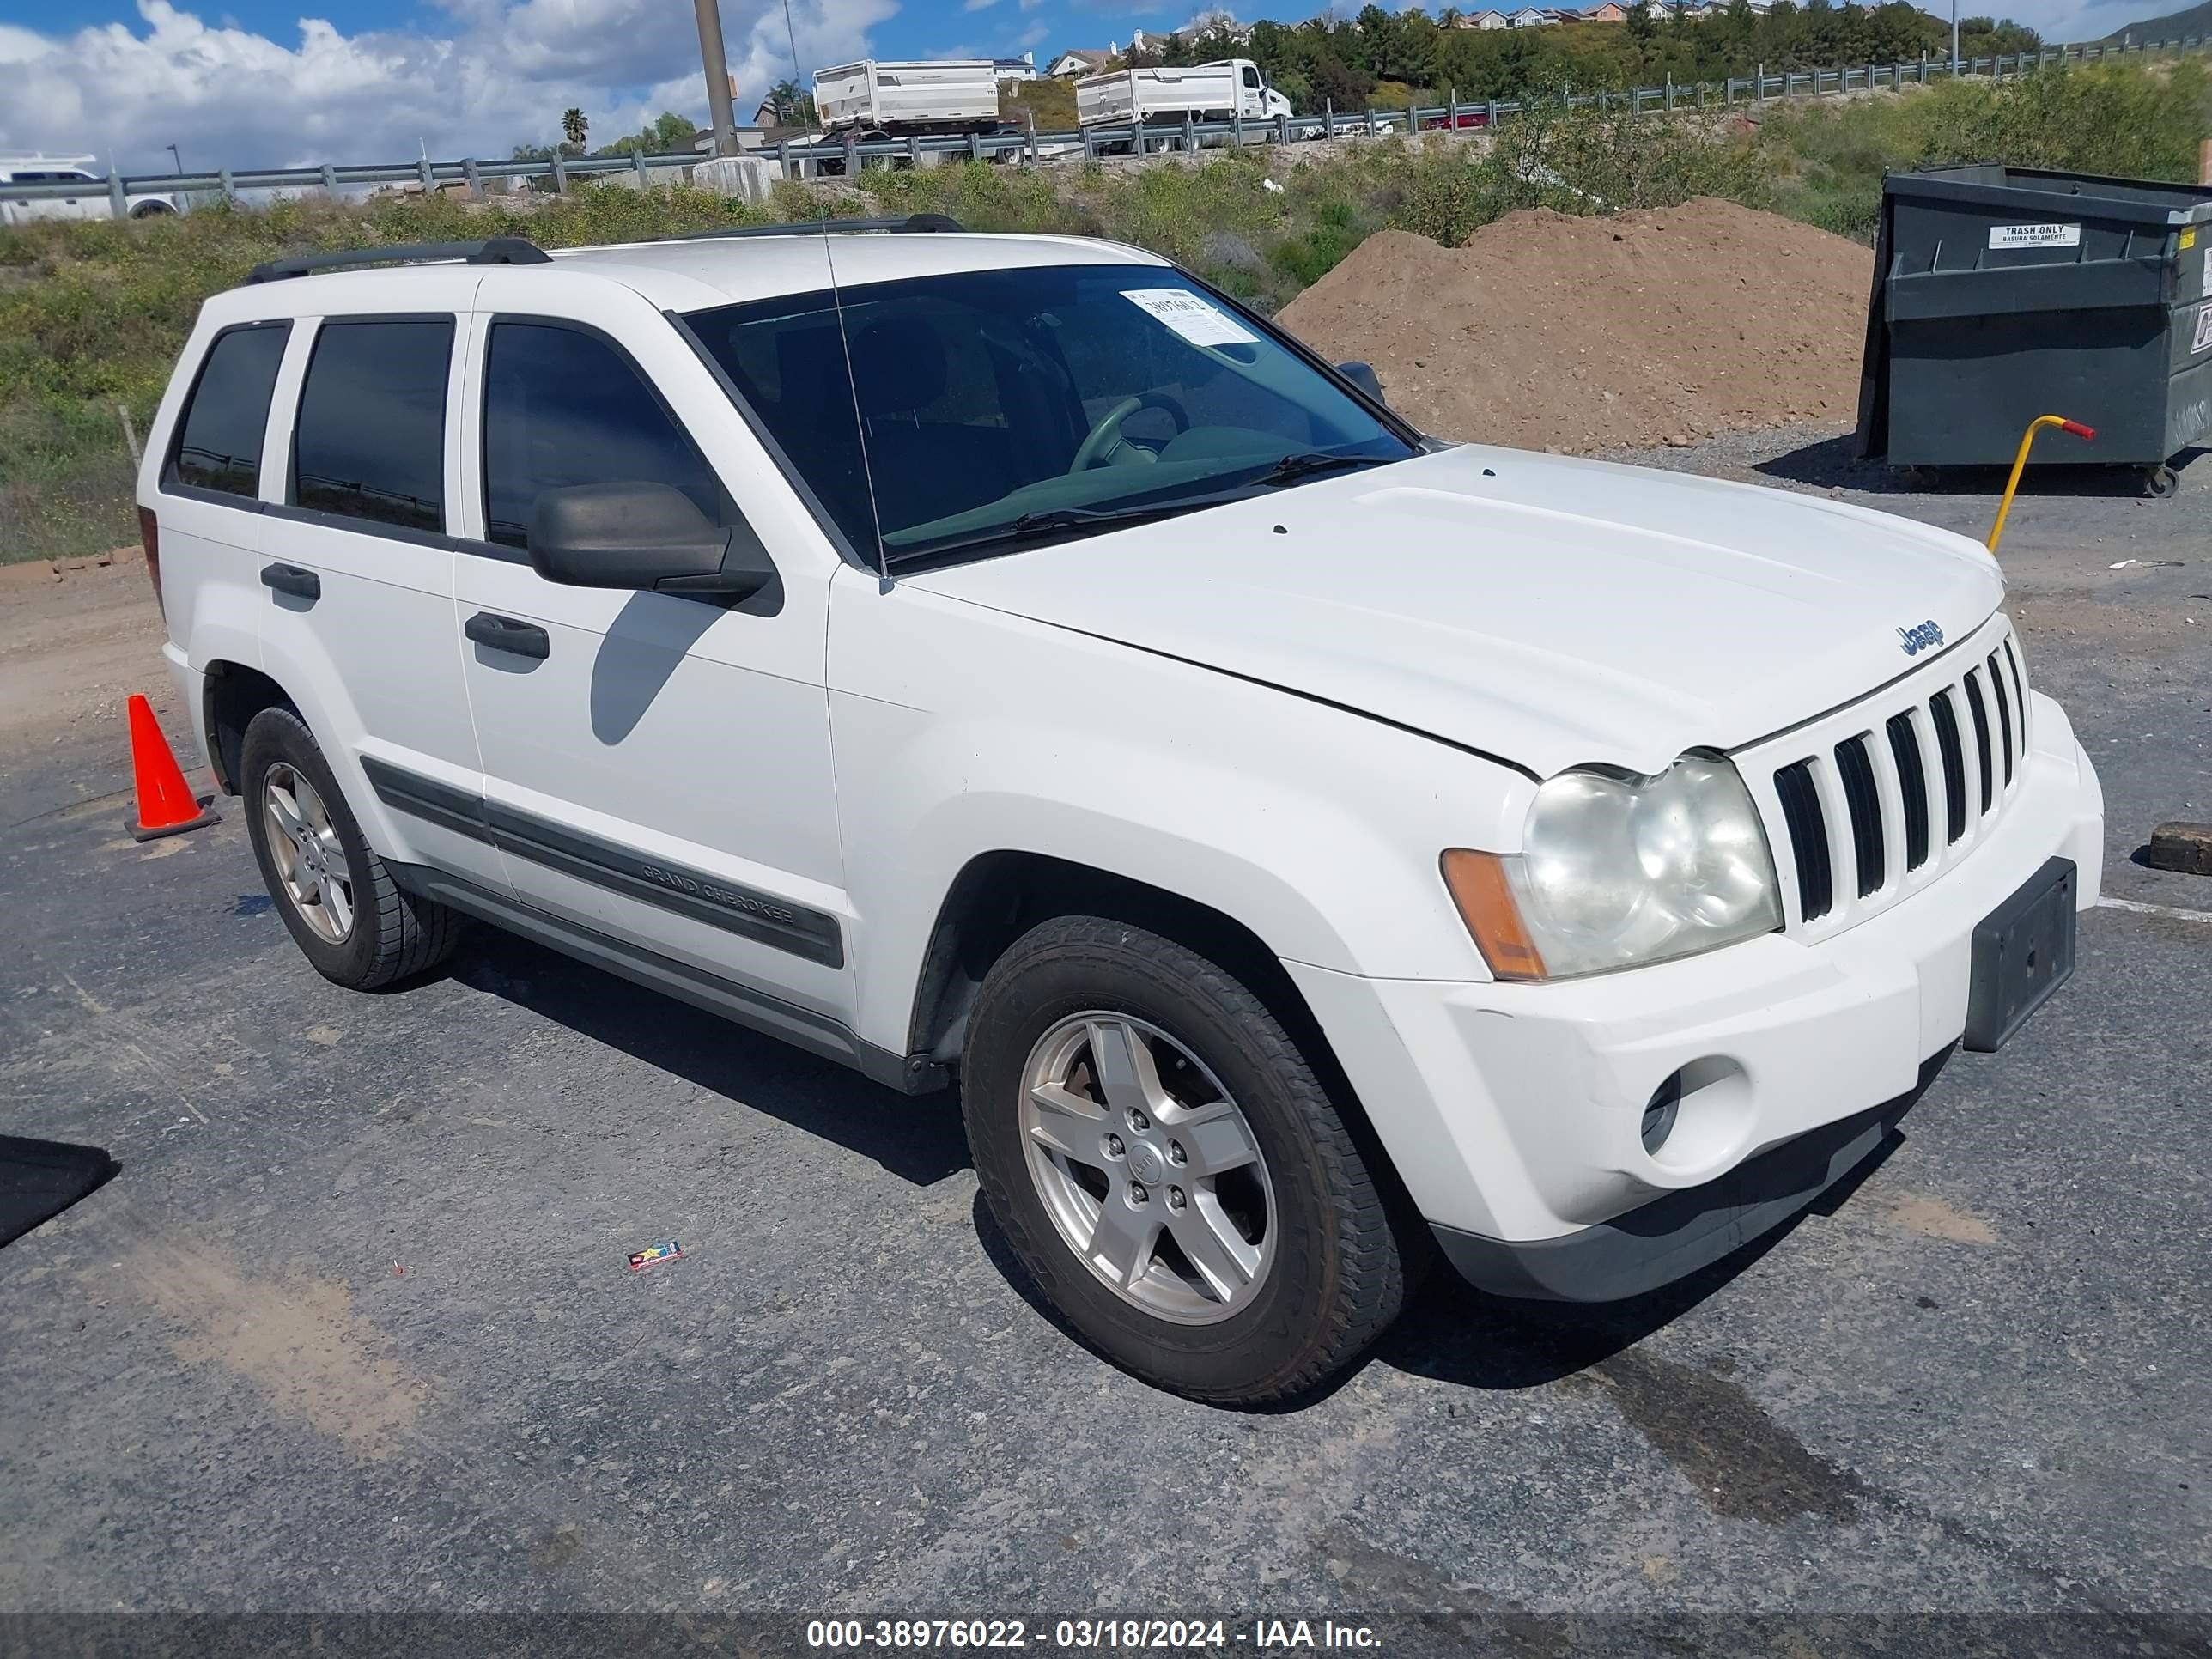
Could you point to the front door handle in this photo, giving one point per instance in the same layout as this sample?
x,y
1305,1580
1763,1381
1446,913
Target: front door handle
x,y
505,634
291,579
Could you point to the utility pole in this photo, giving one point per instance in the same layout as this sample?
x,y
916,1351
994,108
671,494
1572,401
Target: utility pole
x,y
718,77
1954,39
177,159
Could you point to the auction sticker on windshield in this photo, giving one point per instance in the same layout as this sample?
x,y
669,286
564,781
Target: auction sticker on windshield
x,y
1190,316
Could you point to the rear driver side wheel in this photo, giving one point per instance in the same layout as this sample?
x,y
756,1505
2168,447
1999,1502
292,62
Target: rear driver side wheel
x,y
1169,1169
349,919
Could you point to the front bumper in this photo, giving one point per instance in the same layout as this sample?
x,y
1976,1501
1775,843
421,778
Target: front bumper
x,y
1662,1241
1513,1112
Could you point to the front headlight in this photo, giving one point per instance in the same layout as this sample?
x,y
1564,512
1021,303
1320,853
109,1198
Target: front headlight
x,y
1616,872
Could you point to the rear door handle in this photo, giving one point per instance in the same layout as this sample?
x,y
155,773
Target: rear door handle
x,y
505,634
291,579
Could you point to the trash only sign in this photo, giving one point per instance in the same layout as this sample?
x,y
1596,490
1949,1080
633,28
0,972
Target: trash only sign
x,y
2003,236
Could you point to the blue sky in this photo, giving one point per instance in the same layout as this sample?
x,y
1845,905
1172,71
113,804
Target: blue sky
x,y
289,82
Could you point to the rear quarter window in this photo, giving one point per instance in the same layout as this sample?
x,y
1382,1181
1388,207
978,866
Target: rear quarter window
x,y
218,444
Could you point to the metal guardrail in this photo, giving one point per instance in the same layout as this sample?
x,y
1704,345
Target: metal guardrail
x,y
800,161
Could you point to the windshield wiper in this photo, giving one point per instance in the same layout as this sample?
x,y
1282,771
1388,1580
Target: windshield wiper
x,y
1291,468
1031,526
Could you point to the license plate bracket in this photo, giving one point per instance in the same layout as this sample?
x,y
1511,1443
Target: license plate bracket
x,y
2023,951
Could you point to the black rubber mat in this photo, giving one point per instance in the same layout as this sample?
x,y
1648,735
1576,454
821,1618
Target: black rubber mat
x,y
40,1179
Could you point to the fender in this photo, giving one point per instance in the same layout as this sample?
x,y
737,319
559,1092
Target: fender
x,y
1314,828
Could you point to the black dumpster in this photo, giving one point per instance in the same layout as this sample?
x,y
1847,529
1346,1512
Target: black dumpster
x,y
2001,294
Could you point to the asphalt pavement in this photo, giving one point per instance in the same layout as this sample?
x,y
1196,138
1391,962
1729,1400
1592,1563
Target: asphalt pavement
x,y
354,1331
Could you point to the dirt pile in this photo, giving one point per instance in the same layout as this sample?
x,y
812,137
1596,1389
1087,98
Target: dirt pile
x,y
1549,331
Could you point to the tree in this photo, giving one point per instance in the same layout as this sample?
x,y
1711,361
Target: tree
x,y
670,134
1378,39
792,106
1641,29
575,124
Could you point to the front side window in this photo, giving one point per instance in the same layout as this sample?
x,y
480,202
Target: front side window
x,y
990,406
564,407
370,442
225,419
1251,77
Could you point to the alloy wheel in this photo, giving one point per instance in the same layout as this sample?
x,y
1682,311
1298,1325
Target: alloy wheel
x,y
1148,1168
311,859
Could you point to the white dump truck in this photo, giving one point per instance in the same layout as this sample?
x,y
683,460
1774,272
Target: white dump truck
x,y
878,99
1233,89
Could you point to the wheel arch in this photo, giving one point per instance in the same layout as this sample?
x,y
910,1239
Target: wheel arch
x,y
231,695
999,896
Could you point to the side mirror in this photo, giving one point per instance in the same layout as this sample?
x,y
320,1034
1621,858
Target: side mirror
x,y
1362,376
646,535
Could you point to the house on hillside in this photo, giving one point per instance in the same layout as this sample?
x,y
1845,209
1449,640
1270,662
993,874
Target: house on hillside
x,y
1214,22
1078,61
1482,19
1531,17
1012,71
1611,12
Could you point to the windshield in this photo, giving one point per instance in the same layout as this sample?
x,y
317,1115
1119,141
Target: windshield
x,y
1031,403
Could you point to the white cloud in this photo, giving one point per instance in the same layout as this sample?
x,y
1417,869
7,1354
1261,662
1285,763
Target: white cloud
x,y
977,5
1032,36
19,45
227,96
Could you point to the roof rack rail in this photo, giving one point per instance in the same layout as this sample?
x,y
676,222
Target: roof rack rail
x,y
492,251
912,222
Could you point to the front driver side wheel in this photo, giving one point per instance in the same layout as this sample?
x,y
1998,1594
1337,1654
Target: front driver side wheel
x,y
1170,1170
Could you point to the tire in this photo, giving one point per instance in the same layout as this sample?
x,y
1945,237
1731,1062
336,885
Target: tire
x,y
390,934
1333,1272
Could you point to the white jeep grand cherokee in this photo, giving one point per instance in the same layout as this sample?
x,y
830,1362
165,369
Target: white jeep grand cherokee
x,y
1003,660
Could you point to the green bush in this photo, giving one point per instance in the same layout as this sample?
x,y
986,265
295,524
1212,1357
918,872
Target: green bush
x,y
2131,121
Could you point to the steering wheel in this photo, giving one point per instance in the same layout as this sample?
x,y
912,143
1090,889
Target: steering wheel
x,y
1103,441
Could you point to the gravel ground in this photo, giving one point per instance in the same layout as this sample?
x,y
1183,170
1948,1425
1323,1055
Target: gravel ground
x,y
353,1332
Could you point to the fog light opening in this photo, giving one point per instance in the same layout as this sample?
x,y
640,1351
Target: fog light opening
x,y
1666,1105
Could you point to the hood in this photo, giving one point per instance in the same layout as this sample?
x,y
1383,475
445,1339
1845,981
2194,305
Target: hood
x,y
1549,611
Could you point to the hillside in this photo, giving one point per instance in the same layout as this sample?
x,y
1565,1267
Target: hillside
x,y
2173,26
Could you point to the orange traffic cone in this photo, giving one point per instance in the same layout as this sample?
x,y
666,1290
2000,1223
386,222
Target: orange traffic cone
x,y
167,806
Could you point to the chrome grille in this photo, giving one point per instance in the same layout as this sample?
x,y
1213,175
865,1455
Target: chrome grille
x,y
1874,800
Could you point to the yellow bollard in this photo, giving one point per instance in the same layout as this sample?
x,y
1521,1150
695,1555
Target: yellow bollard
x,y
2020,464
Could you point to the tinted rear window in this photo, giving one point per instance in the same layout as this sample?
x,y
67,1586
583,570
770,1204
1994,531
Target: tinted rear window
x,y
219,439
371,438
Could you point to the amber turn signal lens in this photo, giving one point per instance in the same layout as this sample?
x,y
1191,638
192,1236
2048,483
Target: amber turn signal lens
x,y
1477,884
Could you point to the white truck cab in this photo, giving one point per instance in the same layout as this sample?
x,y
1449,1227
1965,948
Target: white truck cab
x,y
1002,662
